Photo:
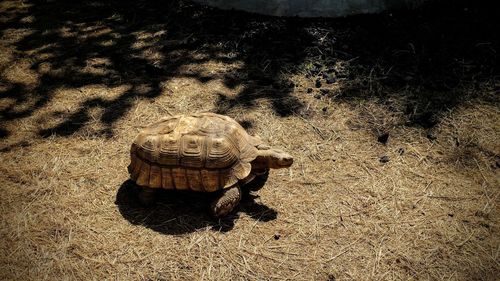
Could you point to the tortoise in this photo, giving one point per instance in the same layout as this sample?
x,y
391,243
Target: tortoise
x,y
203,152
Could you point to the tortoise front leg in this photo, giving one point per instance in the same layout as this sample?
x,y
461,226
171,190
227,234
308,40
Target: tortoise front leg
x,y
147,195
258,181
226,202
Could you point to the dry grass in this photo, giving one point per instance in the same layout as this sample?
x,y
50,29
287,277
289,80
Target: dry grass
x,y
67,210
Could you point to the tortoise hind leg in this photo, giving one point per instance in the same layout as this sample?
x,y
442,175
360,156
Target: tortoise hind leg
x,y
226,202
147,195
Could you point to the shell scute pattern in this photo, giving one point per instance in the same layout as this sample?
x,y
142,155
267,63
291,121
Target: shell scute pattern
x,y
169,150
155,176
221,153
191,151
167,178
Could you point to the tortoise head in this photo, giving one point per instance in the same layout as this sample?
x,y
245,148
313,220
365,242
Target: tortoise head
x,y
273,158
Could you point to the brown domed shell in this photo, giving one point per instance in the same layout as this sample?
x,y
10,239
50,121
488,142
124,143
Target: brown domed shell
x,y
201,152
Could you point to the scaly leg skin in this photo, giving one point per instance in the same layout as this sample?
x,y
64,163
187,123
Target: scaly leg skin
x,y
226,202
147,196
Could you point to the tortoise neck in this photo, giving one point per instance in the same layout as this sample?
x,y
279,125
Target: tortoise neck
x,y
263,161
260,163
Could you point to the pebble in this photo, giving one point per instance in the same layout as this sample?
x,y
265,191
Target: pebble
x,y
431,136
384,159
383,138
330,78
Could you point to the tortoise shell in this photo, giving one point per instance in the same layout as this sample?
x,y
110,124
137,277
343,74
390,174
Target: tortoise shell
x,y
200,152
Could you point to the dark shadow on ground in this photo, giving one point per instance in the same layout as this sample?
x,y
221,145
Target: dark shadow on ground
x,y
425,57
177,212
140,44
416,63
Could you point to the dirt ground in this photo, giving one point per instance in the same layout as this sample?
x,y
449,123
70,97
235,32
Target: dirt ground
x,y
393,121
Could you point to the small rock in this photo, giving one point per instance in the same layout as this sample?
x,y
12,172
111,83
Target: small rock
x,y
431,136
330,78
277,236
324,109
483,224
309,90
383,138
332,70
427,119
384,159
450,215
318,83
314,70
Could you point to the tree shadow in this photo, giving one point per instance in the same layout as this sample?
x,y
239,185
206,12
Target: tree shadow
x,y
424,57
178,212
3,133
139,44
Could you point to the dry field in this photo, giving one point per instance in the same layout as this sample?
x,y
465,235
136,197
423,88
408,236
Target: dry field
x,y
393,120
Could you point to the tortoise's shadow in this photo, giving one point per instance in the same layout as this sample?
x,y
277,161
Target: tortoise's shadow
x,y
183,212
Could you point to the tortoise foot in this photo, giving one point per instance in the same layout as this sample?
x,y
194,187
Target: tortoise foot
x,y
226,203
